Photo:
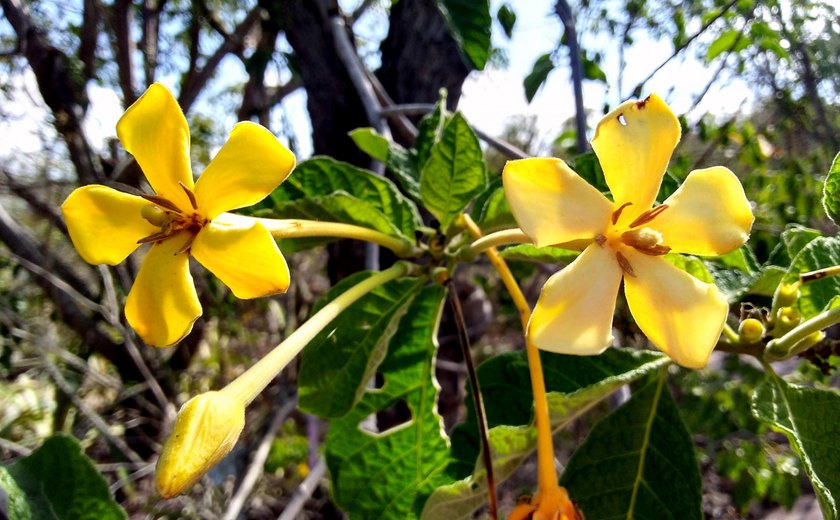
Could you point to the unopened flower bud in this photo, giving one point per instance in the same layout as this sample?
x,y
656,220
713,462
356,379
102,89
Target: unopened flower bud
x,y
751,330
786,294
206,429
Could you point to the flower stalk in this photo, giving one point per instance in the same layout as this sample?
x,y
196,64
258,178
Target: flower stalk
x,y
803,336
297,228
551,498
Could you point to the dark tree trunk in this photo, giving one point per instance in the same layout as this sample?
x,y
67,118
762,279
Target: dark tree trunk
x,y
419,55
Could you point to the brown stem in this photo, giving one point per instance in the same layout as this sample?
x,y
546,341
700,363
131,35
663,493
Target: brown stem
x,y
478,402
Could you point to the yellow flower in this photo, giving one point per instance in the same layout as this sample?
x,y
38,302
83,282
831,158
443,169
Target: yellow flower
x,y
708,215
183,217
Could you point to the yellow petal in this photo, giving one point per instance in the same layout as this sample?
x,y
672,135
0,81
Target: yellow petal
x,y
708,215
681,315
248,167
154,130
105,224
245,258
205,430
575,309
162,304
634,143
552,203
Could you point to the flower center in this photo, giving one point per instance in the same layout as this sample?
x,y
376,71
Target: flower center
x,y
171,219
636,235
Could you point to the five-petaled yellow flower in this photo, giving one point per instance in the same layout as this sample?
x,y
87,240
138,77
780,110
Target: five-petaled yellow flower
x,y
183,218
708,215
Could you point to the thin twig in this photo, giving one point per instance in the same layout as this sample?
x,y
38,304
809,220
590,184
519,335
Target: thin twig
x,y
304,491
97,421
12,446
146,469
682,47
256,468
478,402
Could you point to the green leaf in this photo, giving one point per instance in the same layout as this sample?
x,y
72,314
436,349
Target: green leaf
x,y
539,73
794,238
491,209
507,19
325,189
429,131
384,475
401,162
692,265
469,22
810,418
729,41
831,191
454,173
591,70
638,462
338,363
816,296
56,482
545,255
575,384
371,143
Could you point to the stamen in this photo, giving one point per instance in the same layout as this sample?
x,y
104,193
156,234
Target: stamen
x,y
155,237
624,264
654,250
617,213
187,246
190,194
160,201
600,240
648,215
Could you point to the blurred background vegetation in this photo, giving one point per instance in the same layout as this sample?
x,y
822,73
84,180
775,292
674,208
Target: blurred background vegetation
x,y
68,361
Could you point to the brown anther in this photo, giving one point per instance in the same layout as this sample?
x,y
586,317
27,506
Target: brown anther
x,y
617,213
600,240
648,215
653,250
160,201
190,194
156,237
186,246
624,264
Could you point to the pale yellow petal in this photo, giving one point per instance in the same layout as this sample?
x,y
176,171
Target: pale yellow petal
x,y
681,315
162,304
708,215
575,309
634,143
552,203
105,224
246,259
154,130
248,167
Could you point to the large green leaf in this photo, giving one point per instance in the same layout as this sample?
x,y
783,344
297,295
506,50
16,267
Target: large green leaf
x,y
454,173
810,418
575,385
340,361
310,193
831,191
815,296
638,462
469,21
546,255
491,209
56,482
382,475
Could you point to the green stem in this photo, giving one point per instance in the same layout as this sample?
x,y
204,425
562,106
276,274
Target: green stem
x,y
499,238
297,228
248,385
730,334
782,347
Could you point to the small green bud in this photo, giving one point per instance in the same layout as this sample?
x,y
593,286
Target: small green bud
x,y
206,429
786,294
751,330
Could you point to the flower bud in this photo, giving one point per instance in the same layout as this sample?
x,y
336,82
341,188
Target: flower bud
x,y
750,330
206,429
786,294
